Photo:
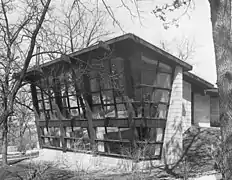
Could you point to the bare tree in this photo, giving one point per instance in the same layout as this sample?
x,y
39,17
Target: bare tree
x,y
23,117
17,42
183,49
75,26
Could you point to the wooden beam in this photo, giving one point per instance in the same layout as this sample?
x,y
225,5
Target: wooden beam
x,y
90,125
112,122
62,131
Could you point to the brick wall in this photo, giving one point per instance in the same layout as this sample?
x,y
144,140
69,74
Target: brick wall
x,y
172,147
186,105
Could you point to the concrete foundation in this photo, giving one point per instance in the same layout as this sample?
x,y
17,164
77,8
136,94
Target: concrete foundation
x,y
82,161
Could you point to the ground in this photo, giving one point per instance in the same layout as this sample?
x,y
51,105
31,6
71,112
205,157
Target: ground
x,y
27,171
198,159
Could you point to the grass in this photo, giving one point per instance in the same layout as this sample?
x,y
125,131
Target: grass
x,y
48,171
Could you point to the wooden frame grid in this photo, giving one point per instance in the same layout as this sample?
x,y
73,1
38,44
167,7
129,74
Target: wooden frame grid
x,y
141,121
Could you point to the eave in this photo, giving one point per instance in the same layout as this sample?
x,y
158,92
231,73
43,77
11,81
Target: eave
x,y
128,36
193,79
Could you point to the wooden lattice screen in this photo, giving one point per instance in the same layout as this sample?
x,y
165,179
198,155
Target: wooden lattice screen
x,y
117,106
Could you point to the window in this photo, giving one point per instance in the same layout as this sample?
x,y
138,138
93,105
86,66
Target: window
x,y
154,88
107,87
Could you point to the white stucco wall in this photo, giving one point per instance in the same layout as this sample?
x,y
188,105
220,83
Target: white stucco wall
x,y
202,110
186,105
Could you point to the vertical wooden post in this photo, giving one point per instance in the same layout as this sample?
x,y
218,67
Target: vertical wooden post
x,y
131,120
62,131
36,110
90,126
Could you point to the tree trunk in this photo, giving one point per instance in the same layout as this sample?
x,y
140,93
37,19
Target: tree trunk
x,y
21,148
221,26
4,142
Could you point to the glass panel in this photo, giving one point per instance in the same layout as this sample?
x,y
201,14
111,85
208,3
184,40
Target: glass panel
x,y
149,63
108,97
164,80
42,116
46,142
64,102
96,112
105,81
94,85
161,111
40,103
106,64
97,63
147,110
71,89
152,134
138,94
117,67
160,96
74,112
110,111
157,148
118,97
154,110
96,98
159,134
73,101
147,92
47,104
165,68
39,95
122,112
148,77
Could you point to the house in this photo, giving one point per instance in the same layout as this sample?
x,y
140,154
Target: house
x,y
117,97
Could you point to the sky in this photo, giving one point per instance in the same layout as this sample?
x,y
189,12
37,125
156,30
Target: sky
x,y
196,26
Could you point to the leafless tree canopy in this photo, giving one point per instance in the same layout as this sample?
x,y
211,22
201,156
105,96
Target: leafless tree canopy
x,y
184,48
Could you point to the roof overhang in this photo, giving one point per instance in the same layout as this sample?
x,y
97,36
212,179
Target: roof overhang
x,y
212,92
122,38
193,79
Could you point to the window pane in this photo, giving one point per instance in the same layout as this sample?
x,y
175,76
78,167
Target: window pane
x,y
164,80
96,112
96,63
105,81
74,112
110,111
161,111
154,110
40,105
165,68
108,97
94,85
148,77
73,101
160,96
65,102
147,92
149,63
96,98
117,65
138,94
